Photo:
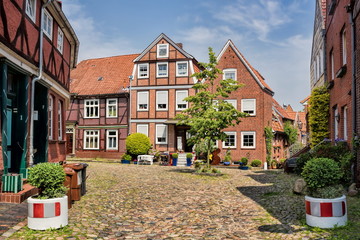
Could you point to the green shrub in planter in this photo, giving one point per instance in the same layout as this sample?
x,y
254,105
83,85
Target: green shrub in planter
x,y
49,178
256,163
322,176
189,155
126,157
244,161
137,144
175,155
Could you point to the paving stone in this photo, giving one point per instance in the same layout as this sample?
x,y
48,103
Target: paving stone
x,y
159,202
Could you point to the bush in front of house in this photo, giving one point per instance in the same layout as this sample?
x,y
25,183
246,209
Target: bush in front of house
x,y
322,177
255,163
137,144
126,157
244,161
49,178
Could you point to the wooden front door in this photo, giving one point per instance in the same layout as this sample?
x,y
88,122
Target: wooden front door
x,y
69,143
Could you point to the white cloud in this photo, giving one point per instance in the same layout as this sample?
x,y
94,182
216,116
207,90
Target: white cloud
x,y
93,42
260,17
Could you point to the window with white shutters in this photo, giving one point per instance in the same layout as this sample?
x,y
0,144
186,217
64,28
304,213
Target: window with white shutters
x,y
161,100
161,134
143,128
248,106
143,101
181,104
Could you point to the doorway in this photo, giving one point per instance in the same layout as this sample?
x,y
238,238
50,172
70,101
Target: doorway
x,y
15,121
181,139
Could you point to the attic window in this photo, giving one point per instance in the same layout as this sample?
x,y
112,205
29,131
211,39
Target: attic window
x,y
100,78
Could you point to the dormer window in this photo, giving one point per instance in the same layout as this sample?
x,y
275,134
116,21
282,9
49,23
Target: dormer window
x,y
162,50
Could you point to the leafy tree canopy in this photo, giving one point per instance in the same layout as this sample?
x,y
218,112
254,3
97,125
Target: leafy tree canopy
x,y
208,114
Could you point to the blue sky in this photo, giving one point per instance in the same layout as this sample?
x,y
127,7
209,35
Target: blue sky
x,y
274,35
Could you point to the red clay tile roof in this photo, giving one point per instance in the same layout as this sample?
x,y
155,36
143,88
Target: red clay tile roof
x,y
282,111
276,126
102,75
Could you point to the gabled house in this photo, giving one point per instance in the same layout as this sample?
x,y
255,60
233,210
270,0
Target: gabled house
x,y
318,57
255,98
35,66
98,116
161,80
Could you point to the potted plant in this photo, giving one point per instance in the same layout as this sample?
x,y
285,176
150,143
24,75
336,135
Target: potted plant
x,y
126,158
325,202
48,209
188,159
227,159
175,158
243,163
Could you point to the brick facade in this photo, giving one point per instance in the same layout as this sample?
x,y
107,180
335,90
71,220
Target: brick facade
x,y
339,71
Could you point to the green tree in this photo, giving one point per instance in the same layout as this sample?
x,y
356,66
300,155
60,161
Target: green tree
x,y
208,114
319,115
291,133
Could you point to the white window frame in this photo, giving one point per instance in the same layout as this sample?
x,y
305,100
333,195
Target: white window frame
x,y
343,42
161,46
147,70
60,40
146,93
157,69
235,140
50,117
30,9
157,133
182,102
60,121
145,126
108,136
230,70
243,134
232,102
254,105
48,24
92,135
94,106
108,105
178,72
160,100
345,117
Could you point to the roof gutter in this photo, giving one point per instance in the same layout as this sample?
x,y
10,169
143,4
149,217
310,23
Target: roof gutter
x,y
41,36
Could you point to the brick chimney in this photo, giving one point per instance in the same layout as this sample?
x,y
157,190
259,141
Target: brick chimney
x,y
180,45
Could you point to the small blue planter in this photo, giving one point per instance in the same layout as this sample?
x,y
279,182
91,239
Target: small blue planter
x,y
226,163
244,167
188,162
174,163
125,161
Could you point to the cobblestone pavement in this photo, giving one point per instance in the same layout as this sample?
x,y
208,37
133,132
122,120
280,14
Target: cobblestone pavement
x,y
10,215
157,202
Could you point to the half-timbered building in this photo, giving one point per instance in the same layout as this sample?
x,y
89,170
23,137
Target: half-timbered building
x,y
97,119
35,67
162,79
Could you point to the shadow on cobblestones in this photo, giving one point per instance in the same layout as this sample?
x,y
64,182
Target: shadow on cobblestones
x,y
274,194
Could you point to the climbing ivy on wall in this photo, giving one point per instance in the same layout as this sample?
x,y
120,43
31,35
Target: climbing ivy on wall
x,y
319,115
269,135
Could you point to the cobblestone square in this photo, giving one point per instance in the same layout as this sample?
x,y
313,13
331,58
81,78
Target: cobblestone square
x,y
156,202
